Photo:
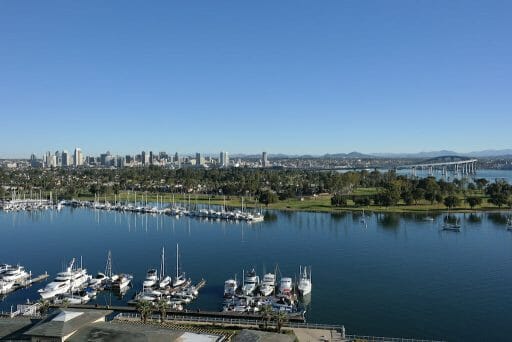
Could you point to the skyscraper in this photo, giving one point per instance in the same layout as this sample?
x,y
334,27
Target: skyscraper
x,y
58,157
151,157
144,158
65,158
78,159
224,159
264,161
199,160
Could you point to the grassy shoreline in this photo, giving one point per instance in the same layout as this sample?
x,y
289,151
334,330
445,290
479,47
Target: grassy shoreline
x,y
320,203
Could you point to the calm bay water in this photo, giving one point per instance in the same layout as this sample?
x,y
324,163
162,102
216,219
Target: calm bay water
x,y
399,276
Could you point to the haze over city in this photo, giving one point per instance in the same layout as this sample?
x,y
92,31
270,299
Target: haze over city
x,y
286,77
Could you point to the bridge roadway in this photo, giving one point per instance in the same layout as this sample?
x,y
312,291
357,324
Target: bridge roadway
x,y
427,165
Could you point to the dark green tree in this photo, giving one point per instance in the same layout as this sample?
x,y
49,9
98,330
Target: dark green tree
x,y
474,201
451,201
338,200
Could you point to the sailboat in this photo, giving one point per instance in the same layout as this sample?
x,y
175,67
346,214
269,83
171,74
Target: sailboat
x,y
102,278
180,278
452,226
509,223
164,280
118,282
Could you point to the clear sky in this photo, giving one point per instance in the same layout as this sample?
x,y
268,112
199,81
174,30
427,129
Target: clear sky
x,y
247,76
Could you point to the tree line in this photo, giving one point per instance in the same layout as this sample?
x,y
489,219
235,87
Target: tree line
x,y
269,185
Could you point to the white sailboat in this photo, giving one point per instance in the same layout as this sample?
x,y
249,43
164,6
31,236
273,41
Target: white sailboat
x,y
180,278
164,280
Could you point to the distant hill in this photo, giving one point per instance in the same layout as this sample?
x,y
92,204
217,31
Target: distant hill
x,y
434,154
359,155
351,155
491,153
419,155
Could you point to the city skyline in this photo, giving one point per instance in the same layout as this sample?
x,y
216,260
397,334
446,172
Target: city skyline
x,y
295,78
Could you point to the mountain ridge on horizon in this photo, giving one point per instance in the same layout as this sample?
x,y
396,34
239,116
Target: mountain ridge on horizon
x,y
415,155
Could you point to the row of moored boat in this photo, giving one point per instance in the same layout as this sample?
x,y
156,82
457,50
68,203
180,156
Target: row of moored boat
x,y
252,295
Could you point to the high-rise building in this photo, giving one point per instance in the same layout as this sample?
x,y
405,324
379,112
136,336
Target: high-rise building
x,y
199,159
65,158
105,158
144,158
224,159
58,158
34,162
264,161
78,158
177,160
163,155
151,157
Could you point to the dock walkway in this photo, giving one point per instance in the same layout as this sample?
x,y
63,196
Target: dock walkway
x,y
181,314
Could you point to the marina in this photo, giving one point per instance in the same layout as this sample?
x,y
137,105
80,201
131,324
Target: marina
x,y
173,209
142,206
352,282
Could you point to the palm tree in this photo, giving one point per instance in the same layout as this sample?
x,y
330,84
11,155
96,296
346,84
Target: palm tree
x,y
145,308
280,318
162,307
65,303
266,313
44,305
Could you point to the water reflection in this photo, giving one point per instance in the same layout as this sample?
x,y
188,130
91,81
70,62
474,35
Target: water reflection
x,y
497,218
474,218
338,216
389,220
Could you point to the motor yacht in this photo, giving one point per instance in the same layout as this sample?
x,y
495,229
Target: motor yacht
x,y
80,297
6,286
151,278
251,280
230,287
285,286
268,284
4,268
71,278
122,282
99,280
15,274
305,282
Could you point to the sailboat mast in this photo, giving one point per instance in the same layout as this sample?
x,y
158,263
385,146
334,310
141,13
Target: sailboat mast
x,y
177,256
162,264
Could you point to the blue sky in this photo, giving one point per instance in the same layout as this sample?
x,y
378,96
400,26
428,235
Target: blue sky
x,y
247,76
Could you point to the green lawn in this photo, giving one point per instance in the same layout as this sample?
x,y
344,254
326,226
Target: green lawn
x,y
321,203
